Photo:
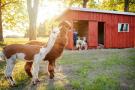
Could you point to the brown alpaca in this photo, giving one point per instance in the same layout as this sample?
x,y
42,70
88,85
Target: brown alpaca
x,y
29,53
33,54
28,65
35,42
55,52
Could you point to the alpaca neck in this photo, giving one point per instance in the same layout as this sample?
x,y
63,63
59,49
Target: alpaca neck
x,y
61,42
51,42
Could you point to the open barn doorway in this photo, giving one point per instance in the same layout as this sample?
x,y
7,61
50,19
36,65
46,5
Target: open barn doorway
x,y
101,34
80,29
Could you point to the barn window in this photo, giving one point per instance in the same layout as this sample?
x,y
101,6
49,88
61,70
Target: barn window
x,y
123,27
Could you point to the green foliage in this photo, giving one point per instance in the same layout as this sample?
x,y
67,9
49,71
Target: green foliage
x,y
116,5
14,15
92,4
74,3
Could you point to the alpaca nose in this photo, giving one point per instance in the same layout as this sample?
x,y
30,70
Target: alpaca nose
x,y
54,32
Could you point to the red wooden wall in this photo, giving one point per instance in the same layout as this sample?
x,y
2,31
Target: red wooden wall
x,y
93,34
70,40
113,38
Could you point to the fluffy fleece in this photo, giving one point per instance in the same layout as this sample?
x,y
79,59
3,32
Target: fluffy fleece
x,y
35,42
30,53
56,50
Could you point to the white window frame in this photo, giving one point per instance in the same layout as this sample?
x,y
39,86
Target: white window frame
x,y
119,24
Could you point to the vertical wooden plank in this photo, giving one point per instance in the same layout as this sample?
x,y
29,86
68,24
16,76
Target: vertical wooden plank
x,y
107,30
133,26
70,38
103,18
111,31
119,36
115,30
128,35
126,38
93,34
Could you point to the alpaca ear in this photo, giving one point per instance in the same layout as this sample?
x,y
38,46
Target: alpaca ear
x,y
69,23
65,23
60,24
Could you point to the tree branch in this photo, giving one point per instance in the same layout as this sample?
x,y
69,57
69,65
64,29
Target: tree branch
x,y
132,2
8,3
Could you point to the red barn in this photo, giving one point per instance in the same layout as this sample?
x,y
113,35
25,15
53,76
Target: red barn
x,y
113,29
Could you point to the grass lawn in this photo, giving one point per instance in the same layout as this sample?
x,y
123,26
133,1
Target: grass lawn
x,y
8,41
94,69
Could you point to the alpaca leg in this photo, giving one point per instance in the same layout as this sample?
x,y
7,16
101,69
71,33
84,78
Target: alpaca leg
x,y
35,69
28,67
51,69
8,72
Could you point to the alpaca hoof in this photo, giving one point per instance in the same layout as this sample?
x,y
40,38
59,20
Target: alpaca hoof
x,y
51,76
13,85
36,82
10,81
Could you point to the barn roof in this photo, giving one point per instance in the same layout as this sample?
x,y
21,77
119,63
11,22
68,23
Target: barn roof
x,y
101,11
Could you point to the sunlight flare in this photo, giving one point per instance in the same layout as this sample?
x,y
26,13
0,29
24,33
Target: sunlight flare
x,y
49,10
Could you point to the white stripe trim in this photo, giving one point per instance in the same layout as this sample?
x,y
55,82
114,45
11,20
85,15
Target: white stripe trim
x,y
102,11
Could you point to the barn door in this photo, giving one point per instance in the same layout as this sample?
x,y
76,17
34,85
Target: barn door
x,y
70,40
93,34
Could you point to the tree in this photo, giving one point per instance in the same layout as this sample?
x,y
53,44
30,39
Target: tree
x,y
4,3
82,3
118,5
126,5
73,3
85,3
1,30
15,16
32,6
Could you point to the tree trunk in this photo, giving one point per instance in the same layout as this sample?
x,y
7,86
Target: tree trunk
x,y
85,3
126,5
1,30
32,26
32,11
